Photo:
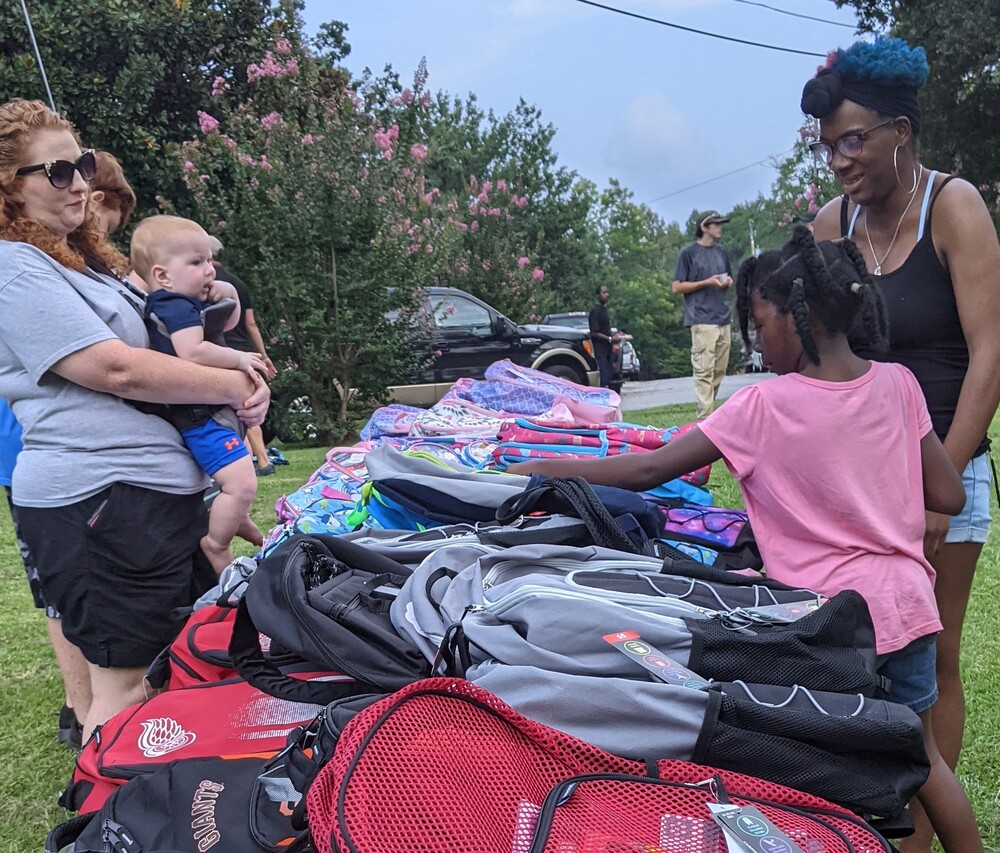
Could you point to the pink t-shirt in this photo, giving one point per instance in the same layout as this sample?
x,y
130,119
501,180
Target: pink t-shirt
x,y
831,476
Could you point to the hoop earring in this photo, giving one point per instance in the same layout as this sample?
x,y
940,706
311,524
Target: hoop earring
x,y
895,169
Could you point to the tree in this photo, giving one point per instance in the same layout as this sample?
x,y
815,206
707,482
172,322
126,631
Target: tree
x,y
961,99
132,76
639,252
319,188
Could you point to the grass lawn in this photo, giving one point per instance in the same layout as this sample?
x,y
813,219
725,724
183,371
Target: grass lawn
x,y
37,767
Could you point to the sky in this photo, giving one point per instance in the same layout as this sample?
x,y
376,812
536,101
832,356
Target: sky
x,y
657,108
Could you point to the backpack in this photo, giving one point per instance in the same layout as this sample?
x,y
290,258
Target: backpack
x,y
543,606
190,806
867,755
712,535
321,598
240,721
445,765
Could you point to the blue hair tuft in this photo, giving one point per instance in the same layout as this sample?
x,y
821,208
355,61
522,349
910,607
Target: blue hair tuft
x,y
884,61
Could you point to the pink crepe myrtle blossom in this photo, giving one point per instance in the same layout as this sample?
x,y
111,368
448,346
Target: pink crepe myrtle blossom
x,y
246,160
271,121
188,166
264,164
207,123
523,261
283,45
486,266
418,152
537,274
219,85
474,225
269,66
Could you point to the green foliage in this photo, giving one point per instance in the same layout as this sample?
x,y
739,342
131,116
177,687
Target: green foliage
x,y
639,252
802,185
132,76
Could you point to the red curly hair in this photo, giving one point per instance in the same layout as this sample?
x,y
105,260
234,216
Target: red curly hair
x,y
19,119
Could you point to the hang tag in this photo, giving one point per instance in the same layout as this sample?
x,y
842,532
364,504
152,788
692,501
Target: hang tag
x,y
783,613
748,831
630,644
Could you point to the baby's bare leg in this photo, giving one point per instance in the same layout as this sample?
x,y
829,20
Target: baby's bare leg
x,y
229,514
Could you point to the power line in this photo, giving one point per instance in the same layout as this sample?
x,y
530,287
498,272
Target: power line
x,y
766,161
700,32
796,14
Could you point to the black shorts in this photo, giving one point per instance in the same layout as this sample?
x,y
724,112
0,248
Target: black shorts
x,y
30,569
120,567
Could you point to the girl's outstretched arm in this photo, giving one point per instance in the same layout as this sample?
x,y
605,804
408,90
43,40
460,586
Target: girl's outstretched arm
x,y
635,471
943,489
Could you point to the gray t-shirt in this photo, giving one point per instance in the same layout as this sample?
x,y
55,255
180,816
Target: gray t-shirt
x,y
707,304
76,441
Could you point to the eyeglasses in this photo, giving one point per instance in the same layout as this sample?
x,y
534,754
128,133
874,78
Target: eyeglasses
x,y
60,172
849,145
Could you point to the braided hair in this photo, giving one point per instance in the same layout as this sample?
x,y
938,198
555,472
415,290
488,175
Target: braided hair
x,y
824,282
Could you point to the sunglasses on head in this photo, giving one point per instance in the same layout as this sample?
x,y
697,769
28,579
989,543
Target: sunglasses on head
x,y
60,172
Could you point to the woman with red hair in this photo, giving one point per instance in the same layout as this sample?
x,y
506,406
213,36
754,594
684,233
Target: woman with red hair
x,y
109,500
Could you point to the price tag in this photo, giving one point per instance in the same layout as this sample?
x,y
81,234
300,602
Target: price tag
x,y
748,831
630,644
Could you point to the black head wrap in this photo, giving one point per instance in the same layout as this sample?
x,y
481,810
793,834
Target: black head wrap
x,y
828,89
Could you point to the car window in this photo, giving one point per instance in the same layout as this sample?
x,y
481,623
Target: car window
x,y
453,313
569,322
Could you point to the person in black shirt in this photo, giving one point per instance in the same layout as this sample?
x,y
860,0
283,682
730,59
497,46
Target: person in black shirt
x,y
600,334
245,336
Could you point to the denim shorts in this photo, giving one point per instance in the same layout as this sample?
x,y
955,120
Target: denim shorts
x,y
972,524
913,673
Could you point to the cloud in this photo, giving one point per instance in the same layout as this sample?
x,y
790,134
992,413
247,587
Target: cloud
x,y
656,149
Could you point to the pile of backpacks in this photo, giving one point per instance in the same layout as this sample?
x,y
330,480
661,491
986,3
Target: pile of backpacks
x,y
433,655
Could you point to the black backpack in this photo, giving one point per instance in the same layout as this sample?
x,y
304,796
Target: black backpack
x,y
325,600
187,807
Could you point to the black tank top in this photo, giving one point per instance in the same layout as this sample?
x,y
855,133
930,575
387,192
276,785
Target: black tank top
x,y
925,332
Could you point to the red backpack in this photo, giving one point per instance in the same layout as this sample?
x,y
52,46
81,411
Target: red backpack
x,y
227,719
445,765
200,654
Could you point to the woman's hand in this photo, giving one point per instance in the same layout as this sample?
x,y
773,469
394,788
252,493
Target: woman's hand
x,y
254,408
937,529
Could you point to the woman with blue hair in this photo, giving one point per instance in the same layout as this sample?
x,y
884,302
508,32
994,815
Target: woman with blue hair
x,y
930,242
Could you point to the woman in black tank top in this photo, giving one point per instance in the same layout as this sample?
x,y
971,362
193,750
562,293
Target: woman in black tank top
x,y
940,276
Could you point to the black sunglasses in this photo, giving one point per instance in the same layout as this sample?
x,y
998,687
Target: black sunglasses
x,y
60,172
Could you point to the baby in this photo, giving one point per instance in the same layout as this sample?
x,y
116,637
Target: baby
x,y
174,258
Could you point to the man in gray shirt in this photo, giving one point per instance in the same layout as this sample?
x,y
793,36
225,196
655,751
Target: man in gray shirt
x,y
703,275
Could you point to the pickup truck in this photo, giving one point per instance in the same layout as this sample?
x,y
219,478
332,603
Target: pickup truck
x,y
466,336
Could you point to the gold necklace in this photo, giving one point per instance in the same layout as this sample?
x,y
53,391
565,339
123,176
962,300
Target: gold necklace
x,y
895,234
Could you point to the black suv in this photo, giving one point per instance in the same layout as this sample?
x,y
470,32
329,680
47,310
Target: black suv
x,y
467,336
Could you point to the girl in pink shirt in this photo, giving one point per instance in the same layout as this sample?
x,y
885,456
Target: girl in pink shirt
x,y
831,457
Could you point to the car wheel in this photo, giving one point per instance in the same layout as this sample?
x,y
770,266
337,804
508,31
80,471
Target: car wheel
x,y
564,371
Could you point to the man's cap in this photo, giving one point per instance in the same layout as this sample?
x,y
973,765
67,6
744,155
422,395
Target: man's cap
x,y
711,217
216,245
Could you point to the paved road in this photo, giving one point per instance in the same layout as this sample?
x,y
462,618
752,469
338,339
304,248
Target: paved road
x,y
666,392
